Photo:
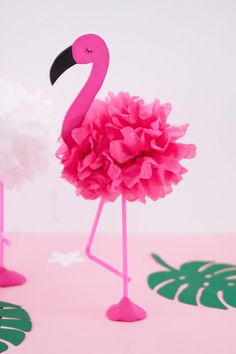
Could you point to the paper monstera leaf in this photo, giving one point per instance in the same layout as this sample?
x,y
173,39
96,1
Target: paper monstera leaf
x,y
199,282
14,322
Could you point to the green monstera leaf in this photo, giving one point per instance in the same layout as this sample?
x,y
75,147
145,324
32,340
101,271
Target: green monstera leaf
x,y
199,282
14,322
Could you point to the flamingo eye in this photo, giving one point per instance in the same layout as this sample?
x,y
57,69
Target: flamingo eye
x,y
87,51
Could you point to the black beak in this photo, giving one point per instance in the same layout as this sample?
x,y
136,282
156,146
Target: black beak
x,y
62,62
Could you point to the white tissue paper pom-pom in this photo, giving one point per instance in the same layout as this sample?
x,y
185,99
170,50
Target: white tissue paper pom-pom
x,y
24,134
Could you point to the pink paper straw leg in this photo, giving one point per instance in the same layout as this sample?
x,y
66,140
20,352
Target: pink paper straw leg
x,y
1,225
90,241
125,310
124,247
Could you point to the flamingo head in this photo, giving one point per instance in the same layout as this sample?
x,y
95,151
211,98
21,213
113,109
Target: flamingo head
x,y
89,48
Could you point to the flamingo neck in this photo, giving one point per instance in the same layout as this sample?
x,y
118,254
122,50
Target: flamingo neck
x,y
79,108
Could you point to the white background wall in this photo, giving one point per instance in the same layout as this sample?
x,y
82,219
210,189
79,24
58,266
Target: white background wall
x,y
182,51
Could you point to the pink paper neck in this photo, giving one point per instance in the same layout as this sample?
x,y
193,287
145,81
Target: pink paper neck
x,y
83,101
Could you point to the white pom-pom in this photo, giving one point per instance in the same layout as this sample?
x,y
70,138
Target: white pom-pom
x,y
24,136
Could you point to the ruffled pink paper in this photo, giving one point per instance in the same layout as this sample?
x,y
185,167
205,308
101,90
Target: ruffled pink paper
x,y
125,146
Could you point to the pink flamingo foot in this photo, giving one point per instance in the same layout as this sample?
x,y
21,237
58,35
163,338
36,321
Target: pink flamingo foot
x,y
126,311
10,278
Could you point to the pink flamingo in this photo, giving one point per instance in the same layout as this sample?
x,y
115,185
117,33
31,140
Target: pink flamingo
x,y
119,146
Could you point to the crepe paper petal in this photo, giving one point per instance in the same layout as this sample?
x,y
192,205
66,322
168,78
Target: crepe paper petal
x,y
203,280
123,133
14,322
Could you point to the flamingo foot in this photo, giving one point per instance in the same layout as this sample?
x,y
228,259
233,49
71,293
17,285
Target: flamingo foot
x,y
126,311
10,278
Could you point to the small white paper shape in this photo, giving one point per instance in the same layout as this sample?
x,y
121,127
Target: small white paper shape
x,y
66,259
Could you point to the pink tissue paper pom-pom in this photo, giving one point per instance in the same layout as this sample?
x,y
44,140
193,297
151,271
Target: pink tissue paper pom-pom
x,y
24,134
125,146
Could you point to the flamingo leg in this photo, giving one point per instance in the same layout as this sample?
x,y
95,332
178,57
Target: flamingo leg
x,y
125,310
90,241
124,247
1,224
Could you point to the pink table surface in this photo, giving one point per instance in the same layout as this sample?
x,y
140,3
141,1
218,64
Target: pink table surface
x,y
67,304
